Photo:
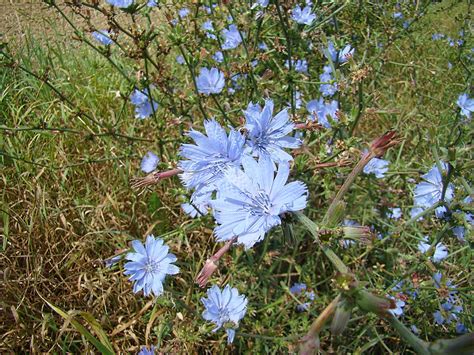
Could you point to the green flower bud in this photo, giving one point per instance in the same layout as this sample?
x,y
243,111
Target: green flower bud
x,y
368,302
341,318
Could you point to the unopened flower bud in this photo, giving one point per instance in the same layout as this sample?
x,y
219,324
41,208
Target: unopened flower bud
x,y
380,145
336,215
361,234
341,318
369,302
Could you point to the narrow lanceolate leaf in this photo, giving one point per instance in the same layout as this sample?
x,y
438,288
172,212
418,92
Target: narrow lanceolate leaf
x,y
103,345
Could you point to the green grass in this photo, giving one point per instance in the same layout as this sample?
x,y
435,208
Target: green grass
x,y
67,204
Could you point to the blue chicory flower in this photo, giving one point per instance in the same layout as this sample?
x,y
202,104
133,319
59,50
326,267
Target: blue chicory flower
x,y
180,59
103,37
149,162
395,213
251,202
376,166
466,105
149,265
299,65
269,135
223,307
441,252
329,88
428,192
303,16
232,37
320,110
218,57
145,351
182,13
399,305
210,81
151,3
207,160
120,3
397,15
338,57
143,106
298,288
437,36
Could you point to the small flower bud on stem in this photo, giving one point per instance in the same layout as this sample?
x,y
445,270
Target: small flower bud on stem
x,y
154,178
212,263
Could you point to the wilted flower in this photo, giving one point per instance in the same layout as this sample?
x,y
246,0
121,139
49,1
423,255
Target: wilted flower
x,y
232,37
268,135
210,81
376,166
250,202
466,105
103,37
149,162
143,106
303,16
428,192
225,309
441,252
120,3
149,265
210,156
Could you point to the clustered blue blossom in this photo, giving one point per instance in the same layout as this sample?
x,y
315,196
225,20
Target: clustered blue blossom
x,y
299,65
225,308
320,110
339,57
210,81
329,88
149,264
147,351
299,289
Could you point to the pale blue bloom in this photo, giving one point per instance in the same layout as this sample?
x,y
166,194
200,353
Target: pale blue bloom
x,y
441,252
437,36
120,3
109,262
224,307
207,160
459,232
414,329
395,213
376,166
329,88
465,104
218,57
320,110
297,288
232,37
416,211
209,28
269,135
448,313
152,3
461,328
399,304
143,106
149,265
303,16
429,191
103,37
300,65
149,162
250,202
262,3
145,351
199,204
210,81
397,15
182,13
336,56
262,46
180,59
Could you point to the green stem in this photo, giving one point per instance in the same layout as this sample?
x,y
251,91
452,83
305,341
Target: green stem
x,y
416,343
313,229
